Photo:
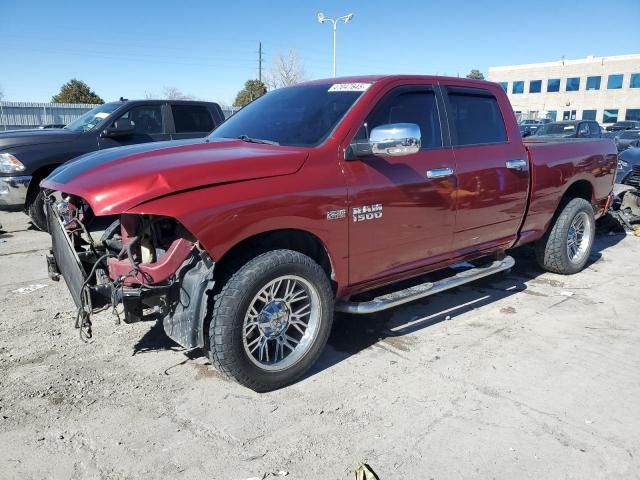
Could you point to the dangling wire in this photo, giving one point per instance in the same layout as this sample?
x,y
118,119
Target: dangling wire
x,y
83,317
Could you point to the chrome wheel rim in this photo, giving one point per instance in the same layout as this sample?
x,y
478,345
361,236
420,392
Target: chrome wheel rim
x,y
281,323
579,238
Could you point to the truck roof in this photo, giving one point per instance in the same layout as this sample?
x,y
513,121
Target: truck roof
x,y
160,100
390,78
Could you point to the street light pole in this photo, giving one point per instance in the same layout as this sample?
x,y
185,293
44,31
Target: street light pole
x,y
334,23
335,28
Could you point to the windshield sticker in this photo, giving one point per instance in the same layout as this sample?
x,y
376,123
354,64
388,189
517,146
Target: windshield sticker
x,y
349,87
101,115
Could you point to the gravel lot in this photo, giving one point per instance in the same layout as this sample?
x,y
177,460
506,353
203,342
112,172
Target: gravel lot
x,y
528,375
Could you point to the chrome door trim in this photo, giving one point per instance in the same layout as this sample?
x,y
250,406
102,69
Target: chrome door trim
x,y
440,172
518,165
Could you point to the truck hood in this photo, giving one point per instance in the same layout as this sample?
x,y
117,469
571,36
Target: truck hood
x,y
115,180
22,138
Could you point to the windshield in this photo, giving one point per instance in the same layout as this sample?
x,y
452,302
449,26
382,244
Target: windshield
x,y
301,116
92,118
557,129
630,134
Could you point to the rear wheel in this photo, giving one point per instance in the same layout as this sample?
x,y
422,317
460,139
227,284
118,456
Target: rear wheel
x,y
566,247
35,210
271,320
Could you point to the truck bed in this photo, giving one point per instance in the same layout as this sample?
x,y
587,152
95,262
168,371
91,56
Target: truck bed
x,y
556,166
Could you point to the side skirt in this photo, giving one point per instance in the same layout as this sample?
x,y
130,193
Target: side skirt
x,y
410,294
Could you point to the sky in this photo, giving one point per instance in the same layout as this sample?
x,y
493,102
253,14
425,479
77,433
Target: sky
x,y
208,49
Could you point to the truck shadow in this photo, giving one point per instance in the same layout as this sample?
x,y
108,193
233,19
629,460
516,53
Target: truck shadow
x,y
156,339
352,334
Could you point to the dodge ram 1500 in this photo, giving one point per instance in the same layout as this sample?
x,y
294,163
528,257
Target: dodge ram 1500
x,y
315,198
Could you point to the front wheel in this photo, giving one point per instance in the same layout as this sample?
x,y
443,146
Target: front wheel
x,y
566,247
271,320
35,210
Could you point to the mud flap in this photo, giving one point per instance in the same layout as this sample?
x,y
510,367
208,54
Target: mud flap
x,y
184,322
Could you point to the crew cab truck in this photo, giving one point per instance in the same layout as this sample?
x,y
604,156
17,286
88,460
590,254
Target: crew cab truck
x,y
319,198
28,156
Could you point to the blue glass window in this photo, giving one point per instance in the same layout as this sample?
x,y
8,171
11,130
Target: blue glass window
x,y
535,86
518,87
615,81
553,85
593,83
504,85
635,80
573,84
610,116
633,113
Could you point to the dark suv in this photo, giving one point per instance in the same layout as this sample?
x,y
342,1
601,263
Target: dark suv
x,y
28,156
624,125
570,129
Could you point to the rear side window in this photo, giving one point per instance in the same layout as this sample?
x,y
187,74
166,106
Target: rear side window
x,y
410,106
475,117
147,119
191,118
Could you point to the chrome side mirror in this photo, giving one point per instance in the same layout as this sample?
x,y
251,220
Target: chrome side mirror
x,y
395,139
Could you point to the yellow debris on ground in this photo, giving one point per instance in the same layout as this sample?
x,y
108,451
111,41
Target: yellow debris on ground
x,y
364,472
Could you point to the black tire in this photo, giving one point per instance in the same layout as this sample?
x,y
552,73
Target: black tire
x,y
552,250
227,344
35,210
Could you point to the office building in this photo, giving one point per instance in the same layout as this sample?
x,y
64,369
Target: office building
x,y
606,89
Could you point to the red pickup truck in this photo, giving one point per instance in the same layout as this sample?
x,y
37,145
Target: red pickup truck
x,y
312,199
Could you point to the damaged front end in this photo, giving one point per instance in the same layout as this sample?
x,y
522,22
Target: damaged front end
x,y
626,207
151,265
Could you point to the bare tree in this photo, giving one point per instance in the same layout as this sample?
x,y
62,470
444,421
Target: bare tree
x,y
286,70
1,94
172,93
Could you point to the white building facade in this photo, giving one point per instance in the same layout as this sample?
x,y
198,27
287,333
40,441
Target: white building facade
x,y
605,89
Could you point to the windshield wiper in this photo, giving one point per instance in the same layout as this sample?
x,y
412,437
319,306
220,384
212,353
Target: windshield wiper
x,y
246,138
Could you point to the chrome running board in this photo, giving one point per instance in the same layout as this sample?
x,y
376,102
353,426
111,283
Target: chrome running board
x,y
410,294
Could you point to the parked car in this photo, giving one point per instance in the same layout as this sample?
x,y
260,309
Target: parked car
x,y
28,156
626,139
629,167
624,125
570,129
536,121
314,198
527,130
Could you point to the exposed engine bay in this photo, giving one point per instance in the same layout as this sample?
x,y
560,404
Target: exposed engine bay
x,y
143,267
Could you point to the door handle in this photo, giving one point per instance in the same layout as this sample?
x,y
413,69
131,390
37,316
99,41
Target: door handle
x,y
518,165
439,172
